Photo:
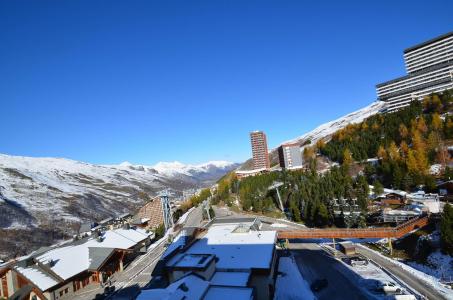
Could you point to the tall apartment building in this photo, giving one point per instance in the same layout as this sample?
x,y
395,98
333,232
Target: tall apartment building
x,y
259,150
289,156
430,70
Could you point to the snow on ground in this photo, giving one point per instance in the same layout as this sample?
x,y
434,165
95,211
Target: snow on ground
x,y
330,128
175,168
279,225
438,265
371,279
290,284
430,280
31,186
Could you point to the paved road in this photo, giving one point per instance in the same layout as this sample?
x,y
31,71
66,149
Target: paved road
x,y
129,282
314,263
195,217
419,285
137,275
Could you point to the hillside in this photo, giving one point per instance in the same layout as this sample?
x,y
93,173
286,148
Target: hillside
x,y
58,194
394,150
326,130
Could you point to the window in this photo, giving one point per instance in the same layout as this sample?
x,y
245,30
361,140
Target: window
x,y
66,290
61,293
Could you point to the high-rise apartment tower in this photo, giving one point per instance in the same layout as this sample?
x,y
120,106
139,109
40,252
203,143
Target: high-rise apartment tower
x,y
430,70
289,156
259,150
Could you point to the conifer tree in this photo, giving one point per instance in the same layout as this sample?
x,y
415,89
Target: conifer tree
x,y
446,229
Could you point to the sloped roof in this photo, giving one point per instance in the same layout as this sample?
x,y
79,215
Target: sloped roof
x,y
38,276
97,256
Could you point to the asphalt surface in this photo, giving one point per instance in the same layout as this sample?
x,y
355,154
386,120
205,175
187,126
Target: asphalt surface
x,y
139,274
195,217
420,286
314,263
129,283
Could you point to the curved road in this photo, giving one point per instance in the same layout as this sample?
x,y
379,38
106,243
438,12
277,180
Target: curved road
x,y
419,285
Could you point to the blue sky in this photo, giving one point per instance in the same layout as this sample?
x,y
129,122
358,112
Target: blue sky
x,y
149,81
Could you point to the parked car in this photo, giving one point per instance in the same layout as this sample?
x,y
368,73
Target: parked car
x,y
390,287
319,284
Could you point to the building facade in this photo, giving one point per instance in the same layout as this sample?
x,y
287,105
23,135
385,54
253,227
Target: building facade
x,y
259,150
289,156
430,70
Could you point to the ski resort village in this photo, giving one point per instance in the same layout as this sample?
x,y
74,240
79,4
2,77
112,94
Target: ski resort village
x,y
358,208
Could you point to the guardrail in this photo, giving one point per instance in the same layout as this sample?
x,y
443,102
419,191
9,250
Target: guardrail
x,y
388,232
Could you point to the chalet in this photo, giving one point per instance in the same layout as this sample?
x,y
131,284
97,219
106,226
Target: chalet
x,y
60,271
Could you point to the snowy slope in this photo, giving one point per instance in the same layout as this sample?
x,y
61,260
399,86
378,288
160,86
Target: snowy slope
x,y
31,188
324,131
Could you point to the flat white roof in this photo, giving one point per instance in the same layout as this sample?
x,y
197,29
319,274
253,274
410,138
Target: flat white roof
x,y
230,278
250,171
192,260
228,293
244,251
190,287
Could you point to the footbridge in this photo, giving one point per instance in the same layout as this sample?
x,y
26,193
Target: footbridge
x,y
382,232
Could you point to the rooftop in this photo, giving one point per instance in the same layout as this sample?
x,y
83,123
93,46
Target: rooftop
x,y
433,40
196,261
190,287
230,278
228,292
237,250
67,260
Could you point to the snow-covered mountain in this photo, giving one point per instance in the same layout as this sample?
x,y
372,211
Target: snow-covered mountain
x,y
44,199
326,130
33,188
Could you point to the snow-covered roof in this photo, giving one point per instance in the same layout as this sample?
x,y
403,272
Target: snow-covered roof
x,y
190,287
236,250
290,284
73,259
401,212
42,280
228,293
191,261
230,278
244,172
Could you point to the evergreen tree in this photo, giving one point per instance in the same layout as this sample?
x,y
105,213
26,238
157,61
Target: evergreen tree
x,y
378,188
446,229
